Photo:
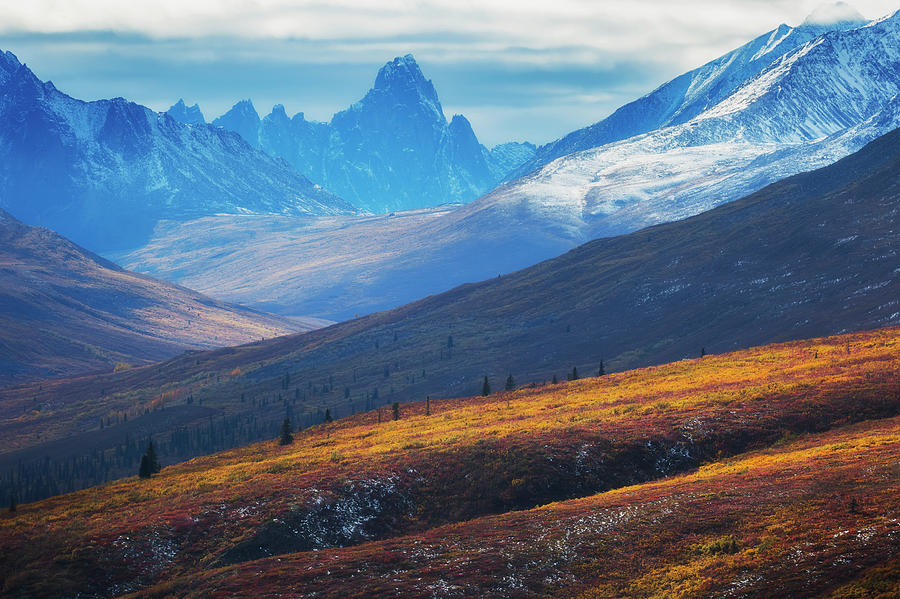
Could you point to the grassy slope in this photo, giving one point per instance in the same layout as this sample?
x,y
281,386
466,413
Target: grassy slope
x,y
66,311
809,256
357,480
816,517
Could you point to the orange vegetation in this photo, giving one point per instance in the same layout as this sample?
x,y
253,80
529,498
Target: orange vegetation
x,y
730,520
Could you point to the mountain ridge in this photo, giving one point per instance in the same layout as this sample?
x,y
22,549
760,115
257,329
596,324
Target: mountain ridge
x,y
394,149
102,173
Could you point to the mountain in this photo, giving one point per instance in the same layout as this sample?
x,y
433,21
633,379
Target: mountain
x,y
185,114
690,94
773,468
392,150
65,311
243,120
104,173
811,255
808,108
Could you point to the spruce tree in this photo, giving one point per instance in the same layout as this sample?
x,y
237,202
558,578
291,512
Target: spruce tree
x,y
602,370
555,380
328,417
428,405
286,437
486,387
510,383
702,351
395,410
574,373
144,469
152,460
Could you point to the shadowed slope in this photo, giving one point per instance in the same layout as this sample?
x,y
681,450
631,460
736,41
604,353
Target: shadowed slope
x,y
65,311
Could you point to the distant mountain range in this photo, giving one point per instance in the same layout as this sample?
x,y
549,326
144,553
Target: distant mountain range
x,y
65,311
812,255
392,150
792,100
104,173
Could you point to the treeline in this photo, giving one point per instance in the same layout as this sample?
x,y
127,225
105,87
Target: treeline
x,y
34,478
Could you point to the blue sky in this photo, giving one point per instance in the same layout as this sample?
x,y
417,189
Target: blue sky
x,y
517,69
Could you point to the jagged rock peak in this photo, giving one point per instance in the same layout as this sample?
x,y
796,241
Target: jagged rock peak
x,y
191,115
402,75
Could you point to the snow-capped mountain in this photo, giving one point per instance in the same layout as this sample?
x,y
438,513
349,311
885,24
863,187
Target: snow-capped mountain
x,y
686,96
808,108
189,115
813,105
392,150
103,173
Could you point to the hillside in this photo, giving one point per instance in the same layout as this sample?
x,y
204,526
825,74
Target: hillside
x,y
811,255
806,107
103,173
269,518
65,311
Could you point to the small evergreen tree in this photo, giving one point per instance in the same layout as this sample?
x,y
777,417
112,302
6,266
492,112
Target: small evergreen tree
x,y
286,437
428,405
555,380
602,370
144,469
328,417
152,464
510,383
574,373
702,351
395,410
486,387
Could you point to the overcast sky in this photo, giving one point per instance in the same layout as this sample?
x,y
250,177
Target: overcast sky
x,y
518,69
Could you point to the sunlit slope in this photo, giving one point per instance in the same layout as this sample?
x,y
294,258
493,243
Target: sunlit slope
x,y
359,479
815,517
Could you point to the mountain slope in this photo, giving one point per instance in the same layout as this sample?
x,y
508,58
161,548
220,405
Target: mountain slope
x,y
812,255
103,173
364,479
392,150
690,94
65,311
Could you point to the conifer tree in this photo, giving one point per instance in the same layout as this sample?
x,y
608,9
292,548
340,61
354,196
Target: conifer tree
x,y
602,370
286,437
555,380
152,461
510,383
428,405
486,387
328,417
702,351
395,410
144,469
